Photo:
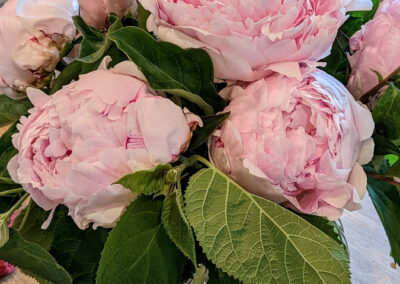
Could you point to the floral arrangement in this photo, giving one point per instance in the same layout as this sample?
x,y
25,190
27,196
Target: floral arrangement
x,y
188,141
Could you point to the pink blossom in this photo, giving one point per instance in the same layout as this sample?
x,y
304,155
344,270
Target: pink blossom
x,y
95,12
5,268
33,32
78,142
297,142
247,40
376,47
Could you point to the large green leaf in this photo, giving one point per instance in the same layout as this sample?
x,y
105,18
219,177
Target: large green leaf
x,y
33,260
177,229
167,67
386,199
78,251
387,112
384,146
256,240
147,182
138,250
11,110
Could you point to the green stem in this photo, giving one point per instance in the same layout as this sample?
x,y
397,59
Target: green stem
x,y
12,191
197,158
16,206
28,209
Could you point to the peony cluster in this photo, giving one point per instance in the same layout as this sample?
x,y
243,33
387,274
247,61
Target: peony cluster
x,y
33,33
298,142
77,143
248,40
95,13
375,48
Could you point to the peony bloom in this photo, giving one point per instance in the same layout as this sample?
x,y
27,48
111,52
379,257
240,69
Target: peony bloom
x,y
300,143
33,32
247,40
78,142
376,47
95,12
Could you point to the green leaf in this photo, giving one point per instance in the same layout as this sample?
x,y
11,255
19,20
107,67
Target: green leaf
x,y
379,75
142,16
31,229
167,67
4,231
78,251
256,240
7,150
359,18
384,146
138,250
12,110
387,112
70,72
386,200
177,229
94,44
33,260
394,170
147,182
210,123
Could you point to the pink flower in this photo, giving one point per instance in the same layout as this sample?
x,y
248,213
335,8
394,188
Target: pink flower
x,y
300,143
376,47
78,142
5,268
33,32
247,40
95,12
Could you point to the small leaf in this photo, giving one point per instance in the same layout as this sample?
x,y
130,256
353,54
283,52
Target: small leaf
x,y
387,112
256,240
394,170
12,110
183,72
178,231
33,260
147,182
70,72
379,75
386,199
210,123
201,275
78,251
138,250
4,231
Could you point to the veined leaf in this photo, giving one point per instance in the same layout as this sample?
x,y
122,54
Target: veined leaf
x,y
256,240
33,260
183,72
138,250
177,229
387,112
147,182
386,199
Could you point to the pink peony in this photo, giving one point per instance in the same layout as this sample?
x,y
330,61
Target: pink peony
x,y
33,32
5,268
247,40
376,47
95,12
295,142
78,142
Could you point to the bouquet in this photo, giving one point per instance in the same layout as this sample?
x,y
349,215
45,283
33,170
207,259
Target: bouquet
x,y
188,141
